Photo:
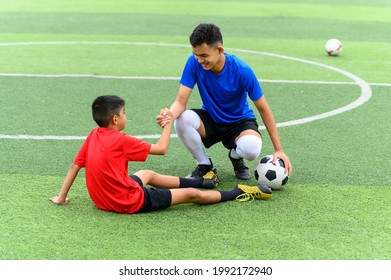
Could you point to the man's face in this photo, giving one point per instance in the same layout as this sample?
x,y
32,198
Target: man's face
x,y
210,57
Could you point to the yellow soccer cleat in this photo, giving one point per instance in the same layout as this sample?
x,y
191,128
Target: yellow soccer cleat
x,y
210,178
254,192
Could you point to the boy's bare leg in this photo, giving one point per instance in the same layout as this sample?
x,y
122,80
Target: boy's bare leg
x,y
154,179
240,192
192,195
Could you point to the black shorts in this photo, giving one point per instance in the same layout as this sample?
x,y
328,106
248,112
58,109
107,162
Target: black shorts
x,y
226,133
154,199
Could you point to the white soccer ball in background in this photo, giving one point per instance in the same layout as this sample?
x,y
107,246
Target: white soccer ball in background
x,y
333,47
272,175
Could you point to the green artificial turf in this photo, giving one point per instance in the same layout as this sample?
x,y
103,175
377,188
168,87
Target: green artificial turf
x,y
300,222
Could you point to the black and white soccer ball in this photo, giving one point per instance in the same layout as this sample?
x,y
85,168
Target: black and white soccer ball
x,y
272,175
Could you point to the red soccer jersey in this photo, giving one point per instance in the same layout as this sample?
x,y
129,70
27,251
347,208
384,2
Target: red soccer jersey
x,y
105,155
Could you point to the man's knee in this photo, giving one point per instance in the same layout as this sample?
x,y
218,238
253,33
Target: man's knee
x,y
187,119
249,147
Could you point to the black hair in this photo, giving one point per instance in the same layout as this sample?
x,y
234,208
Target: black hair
x,y
105,107
207,33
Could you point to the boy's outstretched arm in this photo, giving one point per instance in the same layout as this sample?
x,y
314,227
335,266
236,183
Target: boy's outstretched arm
x,y
161,147
69,179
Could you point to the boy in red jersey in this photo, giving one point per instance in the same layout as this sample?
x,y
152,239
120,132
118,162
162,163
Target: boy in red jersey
x,y
105,155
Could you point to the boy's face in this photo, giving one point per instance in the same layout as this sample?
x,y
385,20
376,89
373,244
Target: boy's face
x,y
121,119
210,57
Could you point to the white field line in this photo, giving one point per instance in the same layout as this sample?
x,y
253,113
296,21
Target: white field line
x,y
53,137
155,136
87,76
175,78
366,91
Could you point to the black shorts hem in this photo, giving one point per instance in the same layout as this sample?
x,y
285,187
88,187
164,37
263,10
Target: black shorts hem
x,y
155,199
225,133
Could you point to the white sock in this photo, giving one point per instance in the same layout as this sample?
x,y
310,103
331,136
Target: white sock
x,y
186,126
247,147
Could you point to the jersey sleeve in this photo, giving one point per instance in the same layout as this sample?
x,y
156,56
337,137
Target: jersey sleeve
x,y
80,159
189,74
251,84
135,149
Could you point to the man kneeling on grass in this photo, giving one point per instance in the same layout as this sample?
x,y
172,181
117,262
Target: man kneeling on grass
x,y
105,155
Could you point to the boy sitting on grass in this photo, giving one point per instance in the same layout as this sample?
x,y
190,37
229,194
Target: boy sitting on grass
x,y
105,155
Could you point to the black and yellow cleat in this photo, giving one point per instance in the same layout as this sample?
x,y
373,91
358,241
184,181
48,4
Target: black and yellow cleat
x,y
254,192
202,169
211,180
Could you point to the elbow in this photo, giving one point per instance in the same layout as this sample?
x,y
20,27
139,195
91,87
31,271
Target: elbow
x,y
163,151
159,149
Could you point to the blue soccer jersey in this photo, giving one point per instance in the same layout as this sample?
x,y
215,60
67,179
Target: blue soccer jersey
x,y
224,95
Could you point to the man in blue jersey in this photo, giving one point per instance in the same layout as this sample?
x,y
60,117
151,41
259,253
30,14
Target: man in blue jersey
x,y
224,83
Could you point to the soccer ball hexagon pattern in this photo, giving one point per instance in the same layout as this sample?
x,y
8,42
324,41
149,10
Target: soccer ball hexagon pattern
x,y
272,175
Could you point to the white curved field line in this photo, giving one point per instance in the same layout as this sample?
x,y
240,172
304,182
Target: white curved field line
x,y
366,91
